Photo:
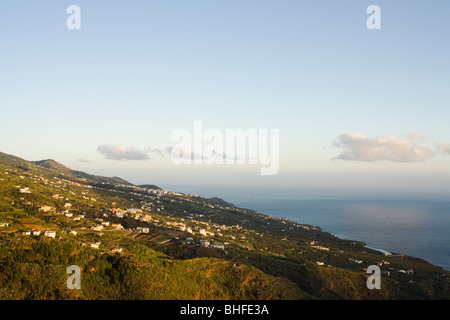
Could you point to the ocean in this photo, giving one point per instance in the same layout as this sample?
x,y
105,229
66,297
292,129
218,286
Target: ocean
x,y
411,225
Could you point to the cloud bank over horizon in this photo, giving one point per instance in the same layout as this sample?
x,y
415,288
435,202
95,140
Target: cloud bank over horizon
x,y
122,153
443,148
358,147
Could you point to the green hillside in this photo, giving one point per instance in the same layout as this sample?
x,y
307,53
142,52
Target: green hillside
x,y
141,242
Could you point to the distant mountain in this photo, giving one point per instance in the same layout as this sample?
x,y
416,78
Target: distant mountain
x,y
221,202
60,168
100,179
9,159
52,164
149,186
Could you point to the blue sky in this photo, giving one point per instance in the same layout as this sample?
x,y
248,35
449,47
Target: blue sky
x,y
137,71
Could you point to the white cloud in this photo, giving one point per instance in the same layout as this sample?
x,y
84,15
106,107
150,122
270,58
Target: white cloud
x,y
443,148
358,147
119,152
416,137
84,160
156,151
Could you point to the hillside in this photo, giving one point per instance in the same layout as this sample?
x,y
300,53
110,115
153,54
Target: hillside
x,y
149,186
141,242
53,165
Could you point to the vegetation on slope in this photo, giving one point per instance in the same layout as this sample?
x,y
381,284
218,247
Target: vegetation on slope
x,y
256,256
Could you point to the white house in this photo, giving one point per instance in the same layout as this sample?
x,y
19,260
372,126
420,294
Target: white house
x,y
217,245
117,226
134,210
204,243
95,245
25,190
50,234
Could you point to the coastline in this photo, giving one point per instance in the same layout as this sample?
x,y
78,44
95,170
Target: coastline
x,y
270,211
386,253
432,246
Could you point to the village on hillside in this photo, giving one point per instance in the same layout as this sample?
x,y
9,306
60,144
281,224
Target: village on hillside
x,y
87,219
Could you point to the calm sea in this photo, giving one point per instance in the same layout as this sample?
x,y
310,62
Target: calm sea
x,y
408,225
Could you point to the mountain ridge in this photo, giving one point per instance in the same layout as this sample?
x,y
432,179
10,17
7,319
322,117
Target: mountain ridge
x,y
52,164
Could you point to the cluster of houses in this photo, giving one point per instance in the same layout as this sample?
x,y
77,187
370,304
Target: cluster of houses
x,y
409,271
134,213
103,224
205,243
142,230
215,245
208,230
37,233
383,263
356,260
49,209
204,229
95,245
24,190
